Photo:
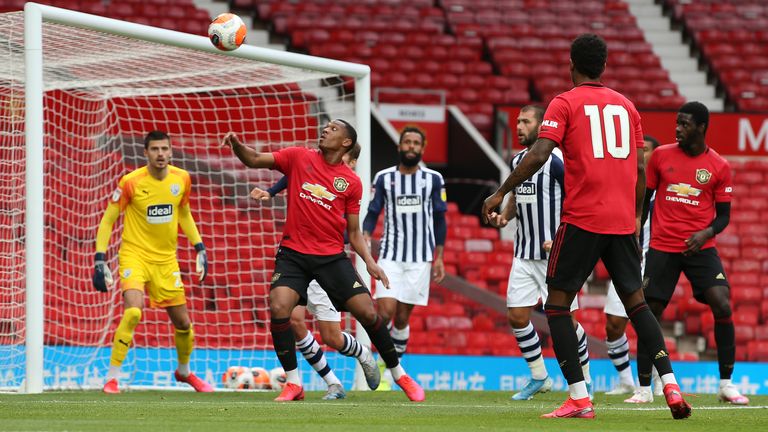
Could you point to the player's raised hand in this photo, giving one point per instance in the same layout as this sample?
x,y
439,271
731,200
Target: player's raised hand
x,y
230,140
201,262
260,195
490,205
102,275
378,274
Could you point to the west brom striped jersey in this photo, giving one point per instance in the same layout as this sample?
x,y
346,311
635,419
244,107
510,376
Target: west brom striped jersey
x,y
409,203
539,203
645,233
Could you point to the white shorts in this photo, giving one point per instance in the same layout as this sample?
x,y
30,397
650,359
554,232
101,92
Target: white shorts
x,y
319,305
528,283
408,282
613,304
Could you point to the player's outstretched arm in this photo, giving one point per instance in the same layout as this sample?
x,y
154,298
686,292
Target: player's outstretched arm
x,y
187,223
536,157
360,247
248,156
102,275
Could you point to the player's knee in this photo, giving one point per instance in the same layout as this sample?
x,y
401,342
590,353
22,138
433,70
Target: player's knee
x,y
183,324
721,310
517,319
297,324
367,317
132,316
333,339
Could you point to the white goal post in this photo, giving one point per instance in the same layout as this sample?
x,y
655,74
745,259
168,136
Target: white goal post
x,y
43,26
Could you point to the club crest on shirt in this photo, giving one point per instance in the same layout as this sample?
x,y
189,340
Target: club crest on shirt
x,y
340,184
703,176
117,194
275,277
175,189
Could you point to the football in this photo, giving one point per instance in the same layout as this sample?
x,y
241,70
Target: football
x,y
227,32
277,378
260,378
238,378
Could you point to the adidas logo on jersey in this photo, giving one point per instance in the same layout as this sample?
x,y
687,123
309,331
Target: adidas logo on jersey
x,y
160,213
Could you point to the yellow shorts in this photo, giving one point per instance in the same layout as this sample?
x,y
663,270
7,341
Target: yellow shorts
x,y
163,281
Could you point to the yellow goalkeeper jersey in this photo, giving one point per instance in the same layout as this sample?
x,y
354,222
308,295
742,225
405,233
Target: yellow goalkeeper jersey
x,y
153,209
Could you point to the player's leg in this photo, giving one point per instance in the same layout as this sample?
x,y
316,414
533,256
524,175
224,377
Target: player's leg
x,y
133,301
414,291
622,259
166,291
616,340
574,254
525,287
340,280
710,286
290,280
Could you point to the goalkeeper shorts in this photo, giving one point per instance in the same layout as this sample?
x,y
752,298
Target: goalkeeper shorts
x,y
162,281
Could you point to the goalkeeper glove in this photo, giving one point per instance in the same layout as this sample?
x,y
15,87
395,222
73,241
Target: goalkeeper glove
x,y
102,275
202,261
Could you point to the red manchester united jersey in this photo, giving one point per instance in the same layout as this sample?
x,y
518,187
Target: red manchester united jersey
x,y
320,196
599,132
687,189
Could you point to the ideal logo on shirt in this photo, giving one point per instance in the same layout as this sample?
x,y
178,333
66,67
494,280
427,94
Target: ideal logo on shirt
x,y
526,192
160,213
408,203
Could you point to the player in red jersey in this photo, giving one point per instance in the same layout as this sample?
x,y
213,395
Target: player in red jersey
x,y
693,204
323,198
599,133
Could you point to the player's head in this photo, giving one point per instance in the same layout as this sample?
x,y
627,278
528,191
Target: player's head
x,y
411,146
649,145
338,134
692,123
528,123
588,56
350,157
157,149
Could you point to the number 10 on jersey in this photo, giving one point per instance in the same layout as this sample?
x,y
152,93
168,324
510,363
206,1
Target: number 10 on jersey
x,y
607,125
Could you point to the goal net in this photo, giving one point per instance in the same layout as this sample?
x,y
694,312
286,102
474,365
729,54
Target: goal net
x,y
102,93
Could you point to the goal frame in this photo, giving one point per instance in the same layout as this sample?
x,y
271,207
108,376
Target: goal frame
x,y
34,16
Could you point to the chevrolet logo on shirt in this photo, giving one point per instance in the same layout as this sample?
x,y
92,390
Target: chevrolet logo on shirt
x,y
684,190
318,191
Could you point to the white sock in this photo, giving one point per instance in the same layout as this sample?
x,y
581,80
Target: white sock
x,y
625,377
645,388
668,379
530,346
724,383
331,378
114,372
400,338
397,372
315,356
581,335
578,390
293,377
183,369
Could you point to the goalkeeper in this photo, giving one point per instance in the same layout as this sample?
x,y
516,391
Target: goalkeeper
x,y
155,199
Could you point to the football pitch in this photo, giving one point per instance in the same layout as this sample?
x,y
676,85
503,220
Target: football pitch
x,y
144,411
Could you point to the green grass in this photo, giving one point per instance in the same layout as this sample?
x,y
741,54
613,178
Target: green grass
x,y
145,411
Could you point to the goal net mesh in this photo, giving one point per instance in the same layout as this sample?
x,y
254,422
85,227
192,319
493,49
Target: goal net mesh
x,y
103,93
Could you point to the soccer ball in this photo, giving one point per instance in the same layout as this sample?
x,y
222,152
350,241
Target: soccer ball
x,y
239,378
227,32
260,378
277,378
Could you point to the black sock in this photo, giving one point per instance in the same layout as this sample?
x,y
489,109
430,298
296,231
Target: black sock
x,y
644,365
649,332
565,342
284,342
725,338
383,342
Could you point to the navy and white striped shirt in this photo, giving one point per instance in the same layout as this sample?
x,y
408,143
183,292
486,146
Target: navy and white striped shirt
x,y
645,233
410,203
539,203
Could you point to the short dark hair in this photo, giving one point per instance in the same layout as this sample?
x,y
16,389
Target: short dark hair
x,y
412,129
654,142
698,111
155,135
351,132
538,111
589,54
355,152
